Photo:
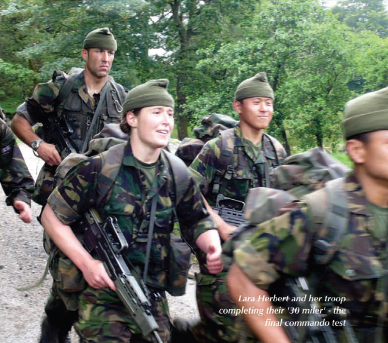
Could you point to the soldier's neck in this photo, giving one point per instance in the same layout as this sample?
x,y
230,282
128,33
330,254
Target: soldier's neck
x,y
94,84
375,189
252,134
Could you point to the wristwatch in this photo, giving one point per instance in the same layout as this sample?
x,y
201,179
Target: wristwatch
x,y
35,144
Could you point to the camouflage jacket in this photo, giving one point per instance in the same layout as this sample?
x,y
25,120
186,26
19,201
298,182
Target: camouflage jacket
x,y
283,246
78,106
15,178
131,204
246,160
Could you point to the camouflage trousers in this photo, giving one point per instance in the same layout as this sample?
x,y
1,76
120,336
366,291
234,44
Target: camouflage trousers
x,y
103,318
219,322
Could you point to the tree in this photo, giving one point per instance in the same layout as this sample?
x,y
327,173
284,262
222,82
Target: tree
x,y
363,15
184,27
303,49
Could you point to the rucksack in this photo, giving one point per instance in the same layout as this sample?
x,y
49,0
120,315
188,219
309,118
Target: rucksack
x,y
210,127
313,176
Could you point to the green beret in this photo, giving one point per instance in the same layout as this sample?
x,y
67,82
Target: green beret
x,y
100,38
151,93
367,113
256,86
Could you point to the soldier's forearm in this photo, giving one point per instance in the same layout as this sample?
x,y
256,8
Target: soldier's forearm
x,y
22,128
244,292
64,238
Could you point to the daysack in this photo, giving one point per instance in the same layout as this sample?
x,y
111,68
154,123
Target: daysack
x,y
211,126
109,144
299,178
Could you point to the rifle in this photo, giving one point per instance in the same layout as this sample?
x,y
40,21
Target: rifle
x,y
108,242
230,210
307,310
58,131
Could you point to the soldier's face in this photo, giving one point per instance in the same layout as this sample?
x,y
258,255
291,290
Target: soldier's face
x,y
255,112
98,61
153,125
373,156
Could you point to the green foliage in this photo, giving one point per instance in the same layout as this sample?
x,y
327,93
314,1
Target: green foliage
x,y
343,158
315,60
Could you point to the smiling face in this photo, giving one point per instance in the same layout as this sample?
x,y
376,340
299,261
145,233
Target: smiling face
x,y
98,61
153,126
255,113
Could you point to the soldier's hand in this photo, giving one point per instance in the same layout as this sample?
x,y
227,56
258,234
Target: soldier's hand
x,y
24,211
213,259
48,153
225,230
96,275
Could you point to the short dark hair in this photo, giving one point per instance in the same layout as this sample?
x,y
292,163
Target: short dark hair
x,y
124,125
362,137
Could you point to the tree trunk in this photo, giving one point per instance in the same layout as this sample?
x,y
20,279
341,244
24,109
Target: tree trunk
x,y
285,140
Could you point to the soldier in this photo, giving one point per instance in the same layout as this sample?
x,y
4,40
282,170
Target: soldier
x,y
79,97
15,178
349,265
87,100
144,174
250,157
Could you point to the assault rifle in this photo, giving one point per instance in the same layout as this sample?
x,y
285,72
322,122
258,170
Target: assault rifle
x,y
108,242
230,210
58,131
305,312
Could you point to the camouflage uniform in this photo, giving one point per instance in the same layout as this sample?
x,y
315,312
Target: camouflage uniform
x,y
102,317
78,107
283,246
15,178
212,293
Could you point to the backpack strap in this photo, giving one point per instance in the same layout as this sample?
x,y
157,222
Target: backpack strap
x,y
224,169
181,176
66,88
111,161
330,214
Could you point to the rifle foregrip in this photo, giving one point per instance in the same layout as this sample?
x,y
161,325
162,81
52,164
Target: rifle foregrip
x,y
132,296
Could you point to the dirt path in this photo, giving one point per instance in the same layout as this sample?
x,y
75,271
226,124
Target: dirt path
x,y
22,262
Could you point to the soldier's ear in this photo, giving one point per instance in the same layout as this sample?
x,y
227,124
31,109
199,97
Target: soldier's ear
x,y
237,106
356,150
131,119
85,54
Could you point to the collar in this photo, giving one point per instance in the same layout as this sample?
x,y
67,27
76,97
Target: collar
x,y
162,164
355,195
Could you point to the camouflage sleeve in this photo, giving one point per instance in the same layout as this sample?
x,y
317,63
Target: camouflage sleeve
x,y
281,245
77,192
199,220
15,177
42,98
203,167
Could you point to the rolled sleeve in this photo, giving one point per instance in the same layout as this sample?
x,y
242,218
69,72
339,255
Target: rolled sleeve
x,y
77,192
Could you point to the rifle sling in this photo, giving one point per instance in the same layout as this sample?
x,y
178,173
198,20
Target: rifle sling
x,y
95,117
150,234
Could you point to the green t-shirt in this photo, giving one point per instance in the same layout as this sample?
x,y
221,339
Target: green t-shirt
x,y
380,215
149,172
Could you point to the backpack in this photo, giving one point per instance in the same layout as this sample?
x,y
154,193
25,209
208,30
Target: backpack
x,y
313,176
110,144
211,126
